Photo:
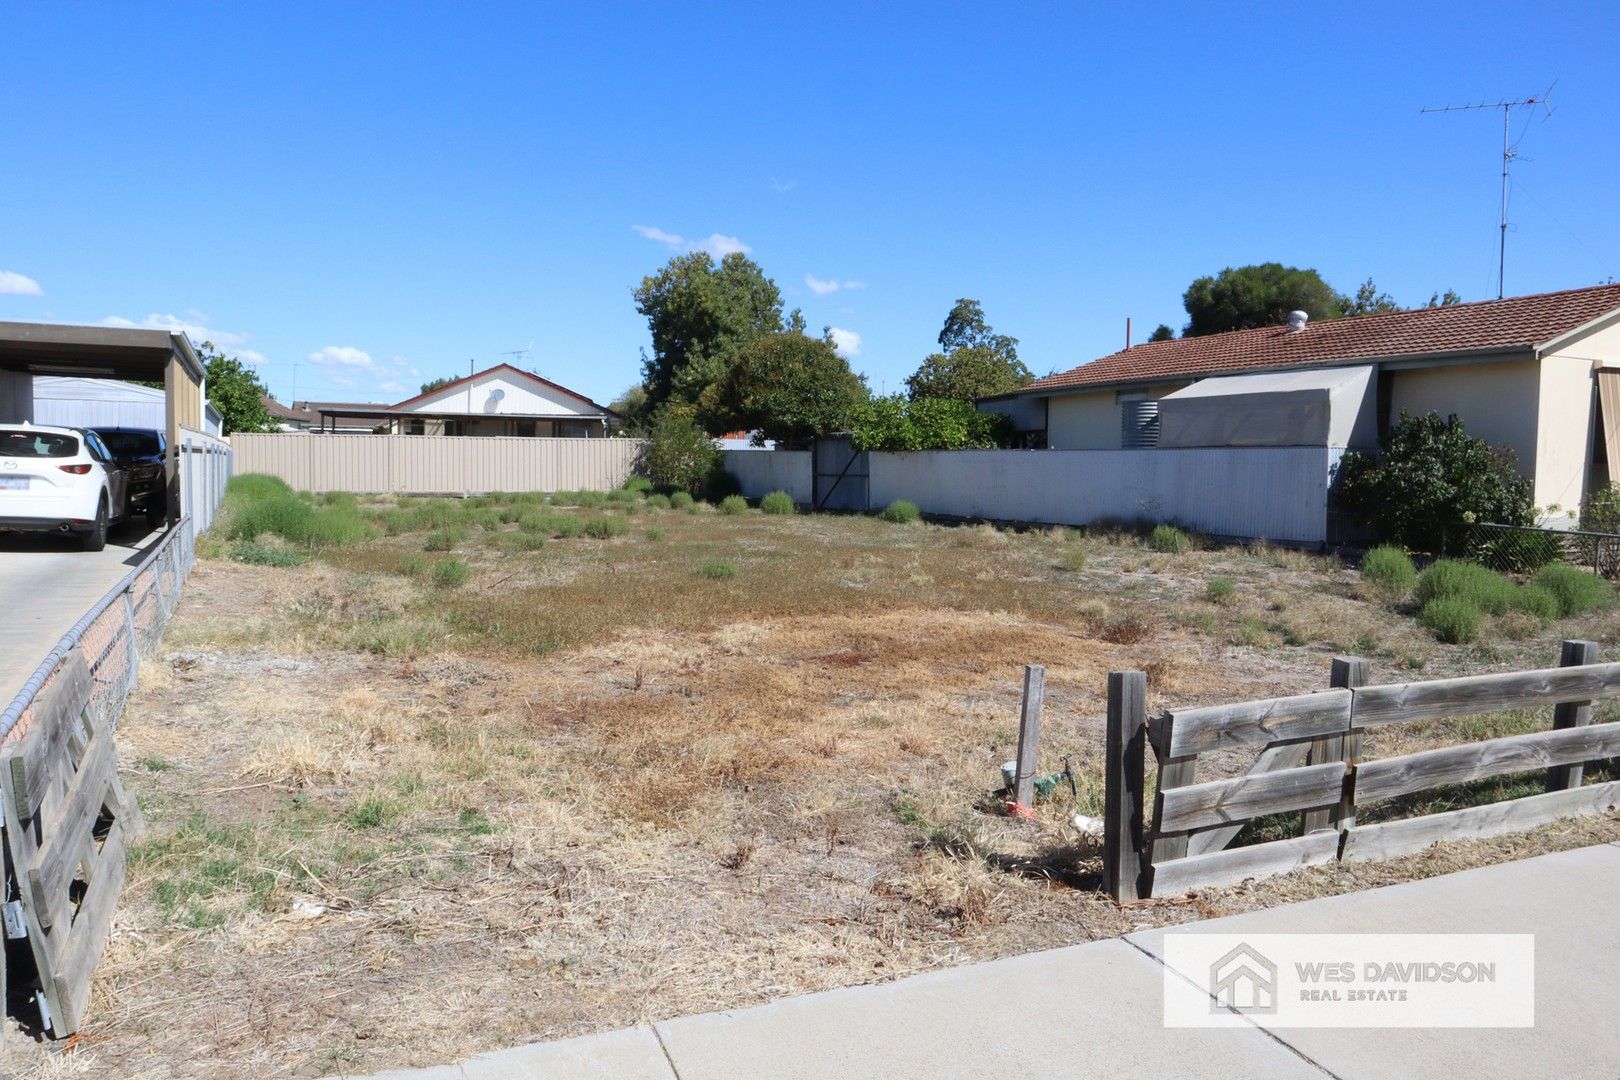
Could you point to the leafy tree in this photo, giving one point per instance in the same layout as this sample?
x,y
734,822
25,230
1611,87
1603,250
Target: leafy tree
x,y
1162,332
786,387
1445,299
1254,296
895,423
679,454
1430,474
634,414
433,384
974,360
235,390
1368,301
700,315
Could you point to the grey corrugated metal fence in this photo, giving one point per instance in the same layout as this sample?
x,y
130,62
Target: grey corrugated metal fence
x,y
437,465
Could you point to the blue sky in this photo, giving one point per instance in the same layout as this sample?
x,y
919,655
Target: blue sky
x,y
379,193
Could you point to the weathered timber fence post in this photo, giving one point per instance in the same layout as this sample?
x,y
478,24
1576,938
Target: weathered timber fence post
x,y
1572,714
1348,672
1123,783
1029,733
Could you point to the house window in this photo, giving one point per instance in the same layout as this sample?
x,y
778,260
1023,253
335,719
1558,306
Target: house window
x,y
524,428
416,427
455,427
573,429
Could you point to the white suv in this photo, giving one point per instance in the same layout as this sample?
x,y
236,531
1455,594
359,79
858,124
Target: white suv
x,y
55,479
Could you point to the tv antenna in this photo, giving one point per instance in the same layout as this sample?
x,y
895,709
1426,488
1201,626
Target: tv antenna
x,y
1508,154
521,354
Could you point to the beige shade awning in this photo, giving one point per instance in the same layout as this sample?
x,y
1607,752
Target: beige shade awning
x,y
1608,380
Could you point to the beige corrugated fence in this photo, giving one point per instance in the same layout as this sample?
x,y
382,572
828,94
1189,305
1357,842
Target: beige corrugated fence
x,y
436,465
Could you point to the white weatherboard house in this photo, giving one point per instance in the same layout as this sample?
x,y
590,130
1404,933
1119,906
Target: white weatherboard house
x,y
1538,375
502,400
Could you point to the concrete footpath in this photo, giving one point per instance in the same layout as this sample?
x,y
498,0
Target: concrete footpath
x,y
1095,1010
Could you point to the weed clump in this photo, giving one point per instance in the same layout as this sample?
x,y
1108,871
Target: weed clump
x,y
444,539
1452,619
451,573
1073,559
1454,579
255,553
605,528
1576,591
777,502
1169,540
682,500
901,512
717,570
1220,590
1391,570
638,484
733,504
659,501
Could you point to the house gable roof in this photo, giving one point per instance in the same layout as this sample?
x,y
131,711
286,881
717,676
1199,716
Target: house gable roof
x,y
410,404
1516,323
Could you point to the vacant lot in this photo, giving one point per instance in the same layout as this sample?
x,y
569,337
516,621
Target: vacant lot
x,y
456,775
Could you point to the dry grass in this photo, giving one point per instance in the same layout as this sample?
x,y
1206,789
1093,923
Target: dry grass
x,y
391,824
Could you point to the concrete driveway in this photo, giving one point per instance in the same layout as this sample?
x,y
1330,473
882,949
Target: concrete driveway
x,y
47,585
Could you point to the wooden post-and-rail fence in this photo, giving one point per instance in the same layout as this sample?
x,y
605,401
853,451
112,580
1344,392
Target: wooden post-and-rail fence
x,y
1310,760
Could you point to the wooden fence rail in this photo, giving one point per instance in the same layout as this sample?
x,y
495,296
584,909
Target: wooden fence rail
x,y
1310,762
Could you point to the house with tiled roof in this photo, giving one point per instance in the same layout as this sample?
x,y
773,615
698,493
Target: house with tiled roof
x,y
502,400
1538,375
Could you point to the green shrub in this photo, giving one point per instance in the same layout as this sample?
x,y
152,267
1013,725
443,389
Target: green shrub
x,y
1513,550
1390,569
567,526
679,454
624,496
639,484
655,534
345,499
1577,591
1430,474
285,515
1451,619
1455,579
337,526
682,500
1220,590
1169,540
777,502
605,528
451,573
899,423
254,487
659,501
1073,559
901,512
444,539
413,565
717,569
256,554
1600,511
733,504
1538,601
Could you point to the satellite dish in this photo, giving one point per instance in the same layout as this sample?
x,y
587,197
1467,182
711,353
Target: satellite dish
x,y
497,394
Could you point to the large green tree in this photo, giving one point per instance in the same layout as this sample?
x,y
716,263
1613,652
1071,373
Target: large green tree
x,y
1246,297
973,362
433,384
235,390
787,387
700,314
1368,301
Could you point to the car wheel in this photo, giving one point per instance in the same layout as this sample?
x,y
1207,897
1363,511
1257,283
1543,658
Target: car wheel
x,y
96,538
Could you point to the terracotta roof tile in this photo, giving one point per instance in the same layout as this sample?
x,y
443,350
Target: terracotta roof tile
x,y
1522,321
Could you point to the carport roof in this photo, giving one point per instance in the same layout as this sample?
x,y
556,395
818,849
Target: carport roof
x,y
116,352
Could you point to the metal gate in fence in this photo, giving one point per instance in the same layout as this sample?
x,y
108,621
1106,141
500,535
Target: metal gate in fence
x,y
841,475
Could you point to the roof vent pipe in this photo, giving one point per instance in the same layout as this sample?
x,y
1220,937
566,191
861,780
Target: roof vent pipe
x,y
1297,321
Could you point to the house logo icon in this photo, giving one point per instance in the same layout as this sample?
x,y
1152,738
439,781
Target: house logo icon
x,y
1243,980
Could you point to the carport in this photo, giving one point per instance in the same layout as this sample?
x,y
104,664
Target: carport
x,y
111,352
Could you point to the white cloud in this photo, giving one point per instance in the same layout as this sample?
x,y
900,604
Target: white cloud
x,y
780,186
343,356
718,244
15,284
195,326
846,343
393,387
827,288
652,232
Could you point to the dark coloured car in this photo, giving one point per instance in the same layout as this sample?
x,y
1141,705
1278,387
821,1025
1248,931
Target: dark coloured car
x,y
141,451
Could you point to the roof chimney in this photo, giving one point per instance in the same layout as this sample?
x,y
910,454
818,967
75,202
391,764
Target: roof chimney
x,y
1297,321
